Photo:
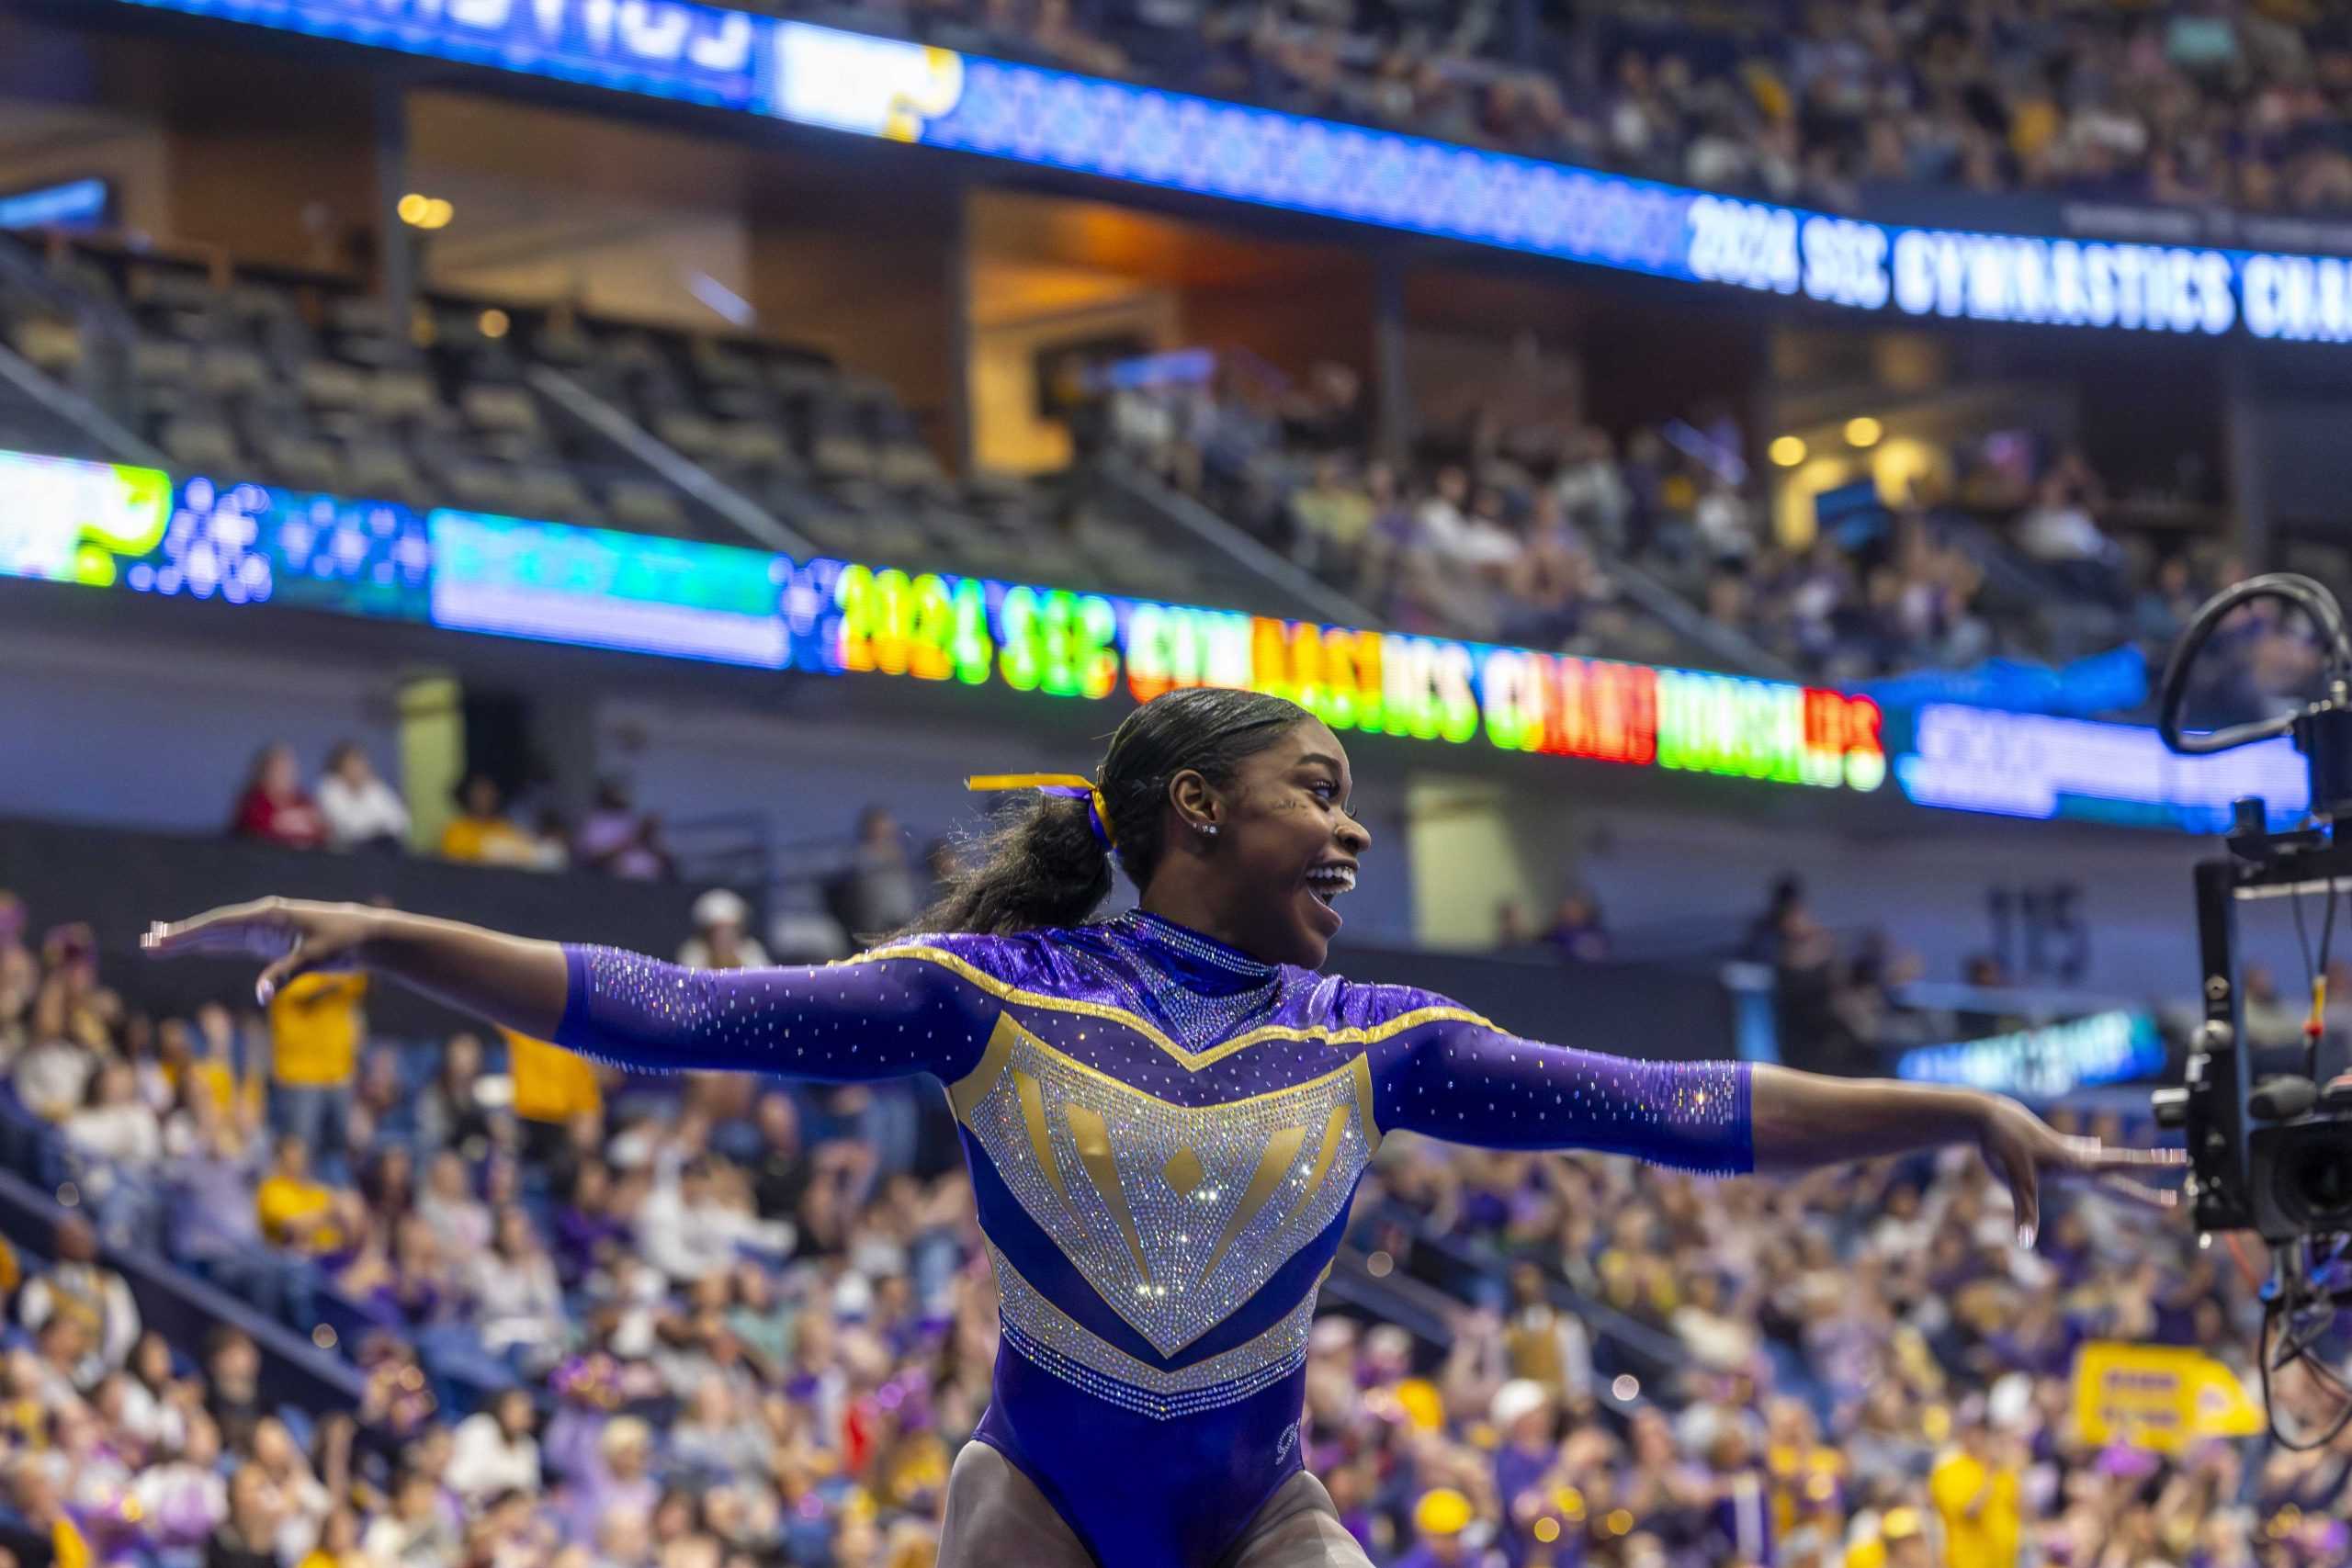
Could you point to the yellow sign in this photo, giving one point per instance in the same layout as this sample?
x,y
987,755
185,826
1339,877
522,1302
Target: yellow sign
x,y
2158,1396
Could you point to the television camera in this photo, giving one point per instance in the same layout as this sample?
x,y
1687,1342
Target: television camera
x,y
2270,1150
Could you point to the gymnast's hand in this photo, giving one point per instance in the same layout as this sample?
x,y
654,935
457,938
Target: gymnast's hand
x,y
513,982
2020,1146
296,936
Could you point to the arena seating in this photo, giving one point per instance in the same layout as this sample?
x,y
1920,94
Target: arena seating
x,y
765,1326
2172,105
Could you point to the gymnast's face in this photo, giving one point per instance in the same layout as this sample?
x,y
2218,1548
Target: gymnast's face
x,y
1284,849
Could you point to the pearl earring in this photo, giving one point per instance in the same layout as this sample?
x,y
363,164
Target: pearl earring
x,y
1208,828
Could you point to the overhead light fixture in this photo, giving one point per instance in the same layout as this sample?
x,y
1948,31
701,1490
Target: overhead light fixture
x,y
1864,431
427,212
1787,451
494,323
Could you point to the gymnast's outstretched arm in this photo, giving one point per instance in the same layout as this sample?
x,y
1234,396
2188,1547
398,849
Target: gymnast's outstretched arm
x,y
1463,1079
865,1018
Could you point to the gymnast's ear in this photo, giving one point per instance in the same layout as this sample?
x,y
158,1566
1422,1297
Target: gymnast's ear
x,y
1196,802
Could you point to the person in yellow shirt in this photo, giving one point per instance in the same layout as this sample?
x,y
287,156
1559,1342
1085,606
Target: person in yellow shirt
x,y
316,1029
296,1211
235,1092
1974,1486
481,833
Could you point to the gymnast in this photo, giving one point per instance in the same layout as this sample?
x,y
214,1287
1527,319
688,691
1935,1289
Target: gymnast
x,y
1165,1113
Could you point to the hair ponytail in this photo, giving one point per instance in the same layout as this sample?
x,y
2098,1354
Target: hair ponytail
x,y
1041,864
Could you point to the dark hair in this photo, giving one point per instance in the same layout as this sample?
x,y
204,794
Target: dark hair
x,y
1040,865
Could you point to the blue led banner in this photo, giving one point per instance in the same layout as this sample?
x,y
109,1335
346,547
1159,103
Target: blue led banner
x,y
600,589
76,204
908,91
2045,1064
2014,764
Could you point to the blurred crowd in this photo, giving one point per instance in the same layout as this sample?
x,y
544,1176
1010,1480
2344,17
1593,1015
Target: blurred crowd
x,y
352,807
1514,526
2193,101
729,1323
1502,531
879,882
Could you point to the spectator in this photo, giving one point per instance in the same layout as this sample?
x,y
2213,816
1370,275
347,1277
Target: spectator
x,y
481,834
19,974
1441,1519
1976,1489
183,1498
516,1302
1767,932
1592,492
782,1171
43,1533
232,1386
550,839
588,1230
222,1064
1547,1346
495,1450
450,1113
457,1219
360,810
274,807
1477,541
2270,1020
695,1218
721,938
79,1287
881,886
418,1531
1329,518
301,1499
620,840
53,1074
115,1124
1578,929
296,1211
616,1480
248,1537
317,1027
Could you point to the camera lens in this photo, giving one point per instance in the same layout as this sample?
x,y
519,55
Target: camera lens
x,y
2315,1179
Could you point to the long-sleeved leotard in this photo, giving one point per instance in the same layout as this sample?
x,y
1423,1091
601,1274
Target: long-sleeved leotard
x,y
1164,1135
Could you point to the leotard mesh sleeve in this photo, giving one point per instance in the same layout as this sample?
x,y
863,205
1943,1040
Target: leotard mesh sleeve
x,y
868,1017
1460,1078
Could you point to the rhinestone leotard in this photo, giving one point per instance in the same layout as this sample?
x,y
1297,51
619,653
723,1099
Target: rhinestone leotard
x,y
1164,1135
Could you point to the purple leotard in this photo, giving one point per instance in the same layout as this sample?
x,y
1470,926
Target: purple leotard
x,y
1164,1134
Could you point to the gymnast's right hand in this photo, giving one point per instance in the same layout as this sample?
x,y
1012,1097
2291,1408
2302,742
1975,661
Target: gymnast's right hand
x,y
297,936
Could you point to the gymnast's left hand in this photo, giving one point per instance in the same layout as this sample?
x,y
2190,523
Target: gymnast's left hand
x,y
2021,1147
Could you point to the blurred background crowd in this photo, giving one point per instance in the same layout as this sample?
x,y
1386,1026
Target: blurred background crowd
x,y
736,1323
391,350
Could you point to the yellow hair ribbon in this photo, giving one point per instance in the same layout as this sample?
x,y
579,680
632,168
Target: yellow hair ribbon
x,y
1075,786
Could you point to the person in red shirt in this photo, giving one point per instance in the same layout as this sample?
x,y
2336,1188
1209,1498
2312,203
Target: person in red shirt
x,y
273,807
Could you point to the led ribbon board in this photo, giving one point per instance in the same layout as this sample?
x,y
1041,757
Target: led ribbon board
x,y
109,525
2014,764
112,526
811,76
75,204
2048,1063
